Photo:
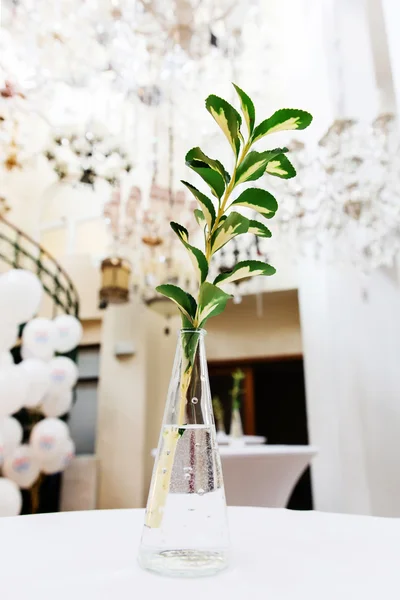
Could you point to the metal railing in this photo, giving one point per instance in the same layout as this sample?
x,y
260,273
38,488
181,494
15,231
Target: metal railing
x,y
20,251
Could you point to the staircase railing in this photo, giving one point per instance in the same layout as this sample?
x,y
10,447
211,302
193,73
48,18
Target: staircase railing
x,y
20,251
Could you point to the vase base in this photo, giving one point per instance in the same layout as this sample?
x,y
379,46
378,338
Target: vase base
x,y
183,563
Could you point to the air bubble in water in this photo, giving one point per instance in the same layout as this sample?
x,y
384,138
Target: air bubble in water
x,y
195,400
164,471
200,491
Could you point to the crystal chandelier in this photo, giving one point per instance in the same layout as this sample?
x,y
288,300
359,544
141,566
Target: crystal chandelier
x,y
137,60
75,41
345,203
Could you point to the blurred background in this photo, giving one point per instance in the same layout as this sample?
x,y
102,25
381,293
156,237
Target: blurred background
x,y
99,102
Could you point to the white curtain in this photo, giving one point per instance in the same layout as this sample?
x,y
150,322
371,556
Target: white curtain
x,y
351,341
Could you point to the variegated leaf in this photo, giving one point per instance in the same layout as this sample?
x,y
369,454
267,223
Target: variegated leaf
x,y
213,179
196,156
212,302
206,204
195,254
259,229
285,119
181,232
255,163
280,166
185,302
227,118
232,226
248,109
200,218
259,200
245,269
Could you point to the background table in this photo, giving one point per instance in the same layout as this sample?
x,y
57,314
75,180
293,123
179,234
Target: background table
x,y
247,440
277,555
263,475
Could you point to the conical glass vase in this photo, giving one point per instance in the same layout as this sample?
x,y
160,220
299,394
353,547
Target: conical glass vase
x,y
186,531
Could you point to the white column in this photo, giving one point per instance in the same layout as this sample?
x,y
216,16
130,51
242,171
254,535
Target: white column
x,y
350,55
391,12
122,410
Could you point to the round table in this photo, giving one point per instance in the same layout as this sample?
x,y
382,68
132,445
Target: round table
x,y
276,555
263,475
248,440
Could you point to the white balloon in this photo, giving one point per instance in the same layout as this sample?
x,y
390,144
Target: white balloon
x,y
6,360
26,353
39,338
56,405
10,498
48,438
22,466
20,295
69,333
37,373
8,335
13,391
60,461
63,374
11,433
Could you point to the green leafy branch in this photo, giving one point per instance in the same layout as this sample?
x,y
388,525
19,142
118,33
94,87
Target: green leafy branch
x,y
236,391
218,413
218,215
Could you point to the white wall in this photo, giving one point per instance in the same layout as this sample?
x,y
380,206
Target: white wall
x,y
267,325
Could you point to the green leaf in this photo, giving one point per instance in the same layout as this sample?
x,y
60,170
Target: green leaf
x,y
245,269
196,156
255,163
259,200
212,178
206,204
248,109
181,232
212,302
285,119
186,303
200,218
227,118
232,226
281,166
196,255
186,324
259,229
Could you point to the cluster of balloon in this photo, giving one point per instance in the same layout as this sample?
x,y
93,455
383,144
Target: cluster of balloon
x,y
42,382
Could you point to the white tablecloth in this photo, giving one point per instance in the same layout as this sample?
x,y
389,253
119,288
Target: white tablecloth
x,y
249,440
277,555
263,475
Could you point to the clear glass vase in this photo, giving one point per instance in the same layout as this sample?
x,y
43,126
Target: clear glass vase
x,y
186,530
236,431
